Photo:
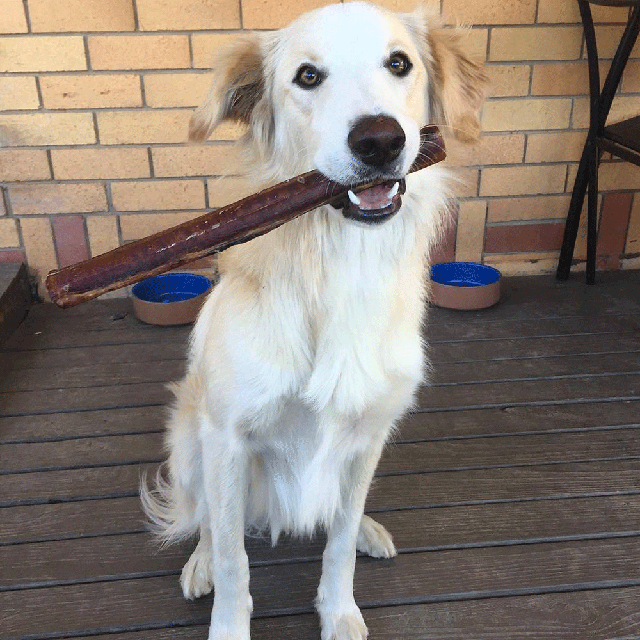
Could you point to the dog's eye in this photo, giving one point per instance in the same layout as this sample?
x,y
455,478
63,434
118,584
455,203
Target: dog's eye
x,y
308,76
399,64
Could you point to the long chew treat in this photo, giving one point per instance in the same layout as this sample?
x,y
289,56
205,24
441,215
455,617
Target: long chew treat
x,y
212,232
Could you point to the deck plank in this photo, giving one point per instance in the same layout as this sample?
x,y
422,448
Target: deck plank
x,y
589,615
408,457
112,557
469,574
114,515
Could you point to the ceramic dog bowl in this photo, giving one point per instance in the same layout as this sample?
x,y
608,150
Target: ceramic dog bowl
x,y
170,299
464,285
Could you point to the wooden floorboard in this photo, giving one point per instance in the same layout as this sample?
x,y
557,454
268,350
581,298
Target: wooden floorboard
x,y
512,491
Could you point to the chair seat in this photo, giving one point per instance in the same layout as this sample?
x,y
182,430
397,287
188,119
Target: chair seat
x,y
626,133
616,3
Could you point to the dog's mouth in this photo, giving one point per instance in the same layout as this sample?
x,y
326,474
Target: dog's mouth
x,y
373,205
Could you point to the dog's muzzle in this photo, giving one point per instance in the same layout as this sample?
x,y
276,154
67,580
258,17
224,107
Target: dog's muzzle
x,y
377,142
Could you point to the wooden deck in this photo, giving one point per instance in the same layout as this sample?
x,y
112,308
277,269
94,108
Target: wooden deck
x,y
513,492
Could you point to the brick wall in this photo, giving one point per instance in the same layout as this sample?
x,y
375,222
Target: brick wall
x,y
95,97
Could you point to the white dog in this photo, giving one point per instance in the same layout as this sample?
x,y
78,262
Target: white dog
x,y
309,349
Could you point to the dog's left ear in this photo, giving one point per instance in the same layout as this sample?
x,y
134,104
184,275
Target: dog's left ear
x,y
237,89
458,84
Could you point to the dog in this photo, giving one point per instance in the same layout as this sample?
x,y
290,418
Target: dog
x,y
309,349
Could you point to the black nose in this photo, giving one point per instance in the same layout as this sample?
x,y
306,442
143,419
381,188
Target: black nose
x,y
376,140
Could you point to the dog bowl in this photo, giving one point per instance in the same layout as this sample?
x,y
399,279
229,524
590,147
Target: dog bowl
x,y
464,285
170,299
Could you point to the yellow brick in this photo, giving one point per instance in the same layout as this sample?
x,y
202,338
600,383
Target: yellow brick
x,y
9,233
507,181
100,163
205,45
103,234
139,52
195,160
38,244
618,176
526,114
472,216
140,225
633,235
148,127
535,43
158,194
13,18
176,89
18,92
42,53
91,91
555,147
491,11
608,39
529,208
490,149
188,15
265,14
28,199
567,11
623,107
509,80
23,164
81,15
475,43
466,183
631,77
227,190
39,129
560,79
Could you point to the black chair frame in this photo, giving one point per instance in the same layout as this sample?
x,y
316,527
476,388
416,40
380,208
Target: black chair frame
x,y
621,139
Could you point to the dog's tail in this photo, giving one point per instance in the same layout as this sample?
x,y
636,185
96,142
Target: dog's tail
x,y
168,500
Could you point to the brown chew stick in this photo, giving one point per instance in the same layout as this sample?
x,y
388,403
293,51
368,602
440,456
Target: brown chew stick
x,y
212,232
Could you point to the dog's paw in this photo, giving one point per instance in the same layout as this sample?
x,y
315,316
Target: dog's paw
x,y
348,626
374,539
231,621
218,634
197,575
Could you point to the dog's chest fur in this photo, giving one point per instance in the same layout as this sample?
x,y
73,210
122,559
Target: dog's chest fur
x,y
322,326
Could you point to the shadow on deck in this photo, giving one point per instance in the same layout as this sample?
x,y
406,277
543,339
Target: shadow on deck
x,y
512,493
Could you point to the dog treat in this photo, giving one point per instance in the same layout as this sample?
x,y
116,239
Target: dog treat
x,y
213,232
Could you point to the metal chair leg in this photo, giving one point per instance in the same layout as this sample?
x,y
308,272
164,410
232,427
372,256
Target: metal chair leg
x,y
592,212
573,217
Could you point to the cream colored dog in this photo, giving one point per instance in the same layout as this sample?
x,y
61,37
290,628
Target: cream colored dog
x,y
309,349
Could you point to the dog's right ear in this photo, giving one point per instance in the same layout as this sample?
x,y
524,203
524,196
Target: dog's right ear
x,y
238,86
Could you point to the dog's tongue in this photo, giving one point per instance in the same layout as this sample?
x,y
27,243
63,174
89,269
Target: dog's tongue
x,y
378,197
375,197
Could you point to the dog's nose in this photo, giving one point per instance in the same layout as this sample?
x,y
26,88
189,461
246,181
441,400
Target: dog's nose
x,y
377,140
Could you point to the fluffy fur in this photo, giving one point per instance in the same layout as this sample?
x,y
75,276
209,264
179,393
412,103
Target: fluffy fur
x,y
309,350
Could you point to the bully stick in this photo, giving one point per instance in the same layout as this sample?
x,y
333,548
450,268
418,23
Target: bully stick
x,y
212,232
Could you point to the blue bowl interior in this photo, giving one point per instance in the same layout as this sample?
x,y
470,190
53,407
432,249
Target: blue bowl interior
x,y
464,274
171,287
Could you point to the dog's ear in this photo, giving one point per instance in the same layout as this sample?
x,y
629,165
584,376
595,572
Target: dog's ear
x,y
238,87
458,84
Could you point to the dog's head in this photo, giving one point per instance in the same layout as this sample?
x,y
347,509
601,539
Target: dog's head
x,y
345,89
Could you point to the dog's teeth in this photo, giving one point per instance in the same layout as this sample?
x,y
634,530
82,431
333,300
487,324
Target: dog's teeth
x,y
354,198
394,191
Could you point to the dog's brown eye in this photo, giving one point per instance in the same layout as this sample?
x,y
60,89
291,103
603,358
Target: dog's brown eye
x,y
308,76
399,64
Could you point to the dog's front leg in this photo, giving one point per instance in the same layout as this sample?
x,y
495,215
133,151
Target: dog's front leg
x,y
226,470
340,617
